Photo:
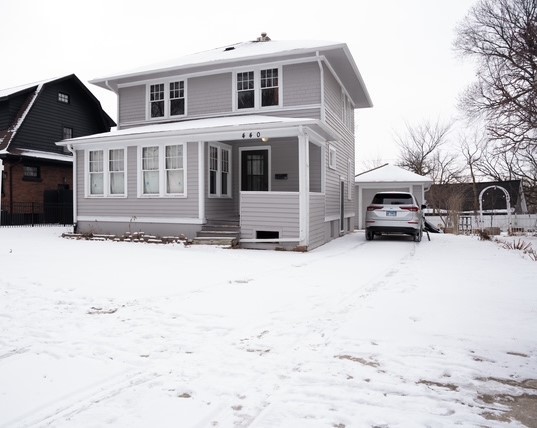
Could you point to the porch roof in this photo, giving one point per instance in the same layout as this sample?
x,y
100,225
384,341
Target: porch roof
x,y
220,128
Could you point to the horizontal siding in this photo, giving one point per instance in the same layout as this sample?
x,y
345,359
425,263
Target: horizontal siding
x,y
131,104
132,206
301,84
317,234
43,126
270,211
209,94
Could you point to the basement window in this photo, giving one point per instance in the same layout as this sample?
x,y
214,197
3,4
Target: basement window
x,y
267,234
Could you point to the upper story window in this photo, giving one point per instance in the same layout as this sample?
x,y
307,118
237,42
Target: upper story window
x,y
162,171
67,132
64,98
347,110
106,173
259,88
167,99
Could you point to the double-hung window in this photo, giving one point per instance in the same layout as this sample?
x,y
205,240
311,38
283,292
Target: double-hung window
x,y
167,99
258,88
162,170
332,157
106,173
219,170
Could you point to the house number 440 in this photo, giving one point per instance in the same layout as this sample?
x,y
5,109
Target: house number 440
x,y
251,135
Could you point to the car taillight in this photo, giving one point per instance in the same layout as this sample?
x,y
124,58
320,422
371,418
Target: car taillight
x,y
374,207
410,208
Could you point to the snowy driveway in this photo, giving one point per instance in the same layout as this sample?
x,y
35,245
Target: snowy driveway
x,y
355,333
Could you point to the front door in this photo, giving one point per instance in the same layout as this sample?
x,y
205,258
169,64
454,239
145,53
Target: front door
x,y
254,170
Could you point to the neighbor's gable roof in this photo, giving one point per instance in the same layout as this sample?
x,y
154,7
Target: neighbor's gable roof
x,y
33,90
391,174
338,55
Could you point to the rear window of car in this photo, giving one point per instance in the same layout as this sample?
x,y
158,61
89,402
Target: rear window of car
x,y
392,199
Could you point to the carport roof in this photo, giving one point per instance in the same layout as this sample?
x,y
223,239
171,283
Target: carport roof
x,y
391,174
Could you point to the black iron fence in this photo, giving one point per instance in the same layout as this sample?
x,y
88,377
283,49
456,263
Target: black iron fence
x,y
35,214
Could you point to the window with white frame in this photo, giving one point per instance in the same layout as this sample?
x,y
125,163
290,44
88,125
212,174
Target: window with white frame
x,y
258,88
96,172
177,98
116,171
156,100
347,111
332,159
162,170
167,99
219,170
106,172
269,87
174,170
150,171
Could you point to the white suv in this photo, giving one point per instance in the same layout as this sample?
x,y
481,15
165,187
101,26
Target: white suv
x,y
394,212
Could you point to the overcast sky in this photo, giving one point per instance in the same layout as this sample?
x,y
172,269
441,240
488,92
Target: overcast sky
x,y
403,49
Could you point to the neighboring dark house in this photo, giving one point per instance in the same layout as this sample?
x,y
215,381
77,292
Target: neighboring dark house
x,y
33,118
441,196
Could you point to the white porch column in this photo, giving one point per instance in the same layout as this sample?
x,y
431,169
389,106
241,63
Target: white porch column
x,y
201,181
304,186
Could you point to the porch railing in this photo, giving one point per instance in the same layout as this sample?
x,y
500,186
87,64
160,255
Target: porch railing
x,y
36,214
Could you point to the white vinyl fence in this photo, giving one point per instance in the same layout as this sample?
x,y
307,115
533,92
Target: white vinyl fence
x,y
469,222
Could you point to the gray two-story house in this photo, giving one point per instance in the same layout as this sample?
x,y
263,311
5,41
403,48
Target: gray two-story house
x,y
259,133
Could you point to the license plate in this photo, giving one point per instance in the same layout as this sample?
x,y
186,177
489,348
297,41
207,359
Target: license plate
x,y
391,213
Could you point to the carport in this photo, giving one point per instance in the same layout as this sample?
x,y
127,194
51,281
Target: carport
x,y
383,179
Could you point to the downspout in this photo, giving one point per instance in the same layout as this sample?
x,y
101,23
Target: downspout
x,y
75,188
321,70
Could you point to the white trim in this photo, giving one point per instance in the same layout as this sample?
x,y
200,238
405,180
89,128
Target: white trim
x,y
135,219
201,179
220,147
303,187
256,69
166,82
106,174
224,70
350,179
256,148
162,169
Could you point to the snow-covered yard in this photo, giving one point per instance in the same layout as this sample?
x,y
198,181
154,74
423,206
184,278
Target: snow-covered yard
x,y
353,334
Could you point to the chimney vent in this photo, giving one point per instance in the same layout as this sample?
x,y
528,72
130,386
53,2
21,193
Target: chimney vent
x,y
263,38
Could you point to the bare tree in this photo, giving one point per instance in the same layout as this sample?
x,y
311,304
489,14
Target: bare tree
x,y
502,36
420,151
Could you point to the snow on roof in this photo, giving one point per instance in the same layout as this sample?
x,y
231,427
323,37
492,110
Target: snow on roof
x,y
232,52
45,155
200,125
390,173
10,91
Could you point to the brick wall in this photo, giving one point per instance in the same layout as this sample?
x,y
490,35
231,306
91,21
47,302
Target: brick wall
x,y
30,190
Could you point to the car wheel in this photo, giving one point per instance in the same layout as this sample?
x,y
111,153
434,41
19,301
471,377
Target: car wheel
x,y
369,235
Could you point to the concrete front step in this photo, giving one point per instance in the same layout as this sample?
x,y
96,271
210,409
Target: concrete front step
x,y
219,232
216,240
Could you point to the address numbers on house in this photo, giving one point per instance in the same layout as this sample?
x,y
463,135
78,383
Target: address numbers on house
x,y
251,134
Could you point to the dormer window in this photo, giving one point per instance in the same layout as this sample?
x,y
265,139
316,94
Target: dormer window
x,y
256,89
166,99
